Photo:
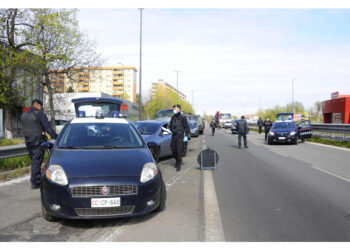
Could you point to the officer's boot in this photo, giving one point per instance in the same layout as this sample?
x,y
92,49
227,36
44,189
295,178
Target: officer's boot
x,y
178,165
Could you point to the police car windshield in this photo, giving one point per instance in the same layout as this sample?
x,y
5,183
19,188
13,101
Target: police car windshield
x,y
100,135
165,113
146,128
282,125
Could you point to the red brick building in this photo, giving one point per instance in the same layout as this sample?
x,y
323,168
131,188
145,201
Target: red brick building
x,y
337,110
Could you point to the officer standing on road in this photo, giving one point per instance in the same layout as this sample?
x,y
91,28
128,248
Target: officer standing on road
x,y
34,124
260,124
213,125
267,126
242,129
180,132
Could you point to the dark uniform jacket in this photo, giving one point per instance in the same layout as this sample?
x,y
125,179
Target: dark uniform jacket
x,y
242,127
260,123
267,125
35,123
179,125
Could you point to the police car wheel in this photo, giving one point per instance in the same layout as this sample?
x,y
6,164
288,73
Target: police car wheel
x,y
296,141
47,216
161,206
269,142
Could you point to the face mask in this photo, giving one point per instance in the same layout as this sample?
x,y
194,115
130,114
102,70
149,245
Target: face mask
x,y
175,112
267,119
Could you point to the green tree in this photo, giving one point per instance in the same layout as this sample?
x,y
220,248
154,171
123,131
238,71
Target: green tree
x,y
19,69
62,48
70,89
163,99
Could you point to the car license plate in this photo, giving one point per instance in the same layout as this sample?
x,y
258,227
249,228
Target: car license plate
x,y
105,202
281,138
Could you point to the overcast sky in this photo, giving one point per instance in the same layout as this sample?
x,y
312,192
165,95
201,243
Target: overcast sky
x,y
231,58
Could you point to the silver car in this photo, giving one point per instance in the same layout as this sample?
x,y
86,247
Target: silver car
x,y
157,132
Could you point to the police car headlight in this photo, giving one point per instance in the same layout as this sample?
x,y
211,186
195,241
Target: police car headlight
x,y
292,133
271,133
57,175
149,171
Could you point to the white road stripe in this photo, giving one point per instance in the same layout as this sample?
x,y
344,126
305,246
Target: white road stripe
x,y
328,146
182,173
213,230
15,181
332,174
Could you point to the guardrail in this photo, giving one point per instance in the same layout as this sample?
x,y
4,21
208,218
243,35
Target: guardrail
x,y
330,131
12,151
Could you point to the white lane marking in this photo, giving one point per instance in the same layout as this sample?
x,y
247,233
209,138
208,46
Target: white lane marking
x,y
177,178
213,230
15,181
330,173
113,233
328,146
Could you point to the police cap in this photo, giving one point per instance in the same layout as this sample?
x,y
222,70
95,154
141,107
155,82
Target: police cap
x,y
37,101
177,106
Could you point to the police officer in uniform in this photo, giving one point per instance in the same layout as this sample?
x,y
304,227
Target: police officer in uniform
x,y
34,124
242,129
180,132
213,126
267,126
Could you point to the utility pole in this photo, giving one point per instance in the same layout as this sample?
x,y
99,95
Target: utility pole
x,y
293,94
177,85
192,101
140,72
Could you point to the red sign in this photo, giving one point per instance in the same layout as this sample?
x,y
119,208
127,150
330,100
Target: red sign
x,y
335,95
124,106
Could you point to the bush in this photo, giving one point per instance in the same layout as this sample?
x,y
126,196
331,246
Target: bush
x,y
16,162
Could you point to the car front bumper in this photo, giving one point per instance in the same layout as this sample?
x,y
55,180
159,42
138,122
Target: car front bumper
x,y
80,207
286,138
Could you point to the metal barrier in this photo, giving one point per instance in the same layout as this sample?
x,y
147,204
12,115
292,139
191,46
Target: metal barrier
x,y
330,131
12,151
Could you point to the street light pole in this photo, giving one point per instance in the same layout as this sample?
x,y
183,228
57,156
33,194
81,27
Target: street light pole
x,y
293,94
140,72
177,85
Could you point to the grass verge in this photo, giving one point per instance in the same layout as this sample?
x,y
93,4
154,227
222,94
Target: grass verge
x,y
343,144
16,162
14,174
9,142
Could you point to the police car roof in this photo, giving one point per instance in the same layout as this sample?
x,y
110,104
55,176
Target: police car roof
x,y
95,120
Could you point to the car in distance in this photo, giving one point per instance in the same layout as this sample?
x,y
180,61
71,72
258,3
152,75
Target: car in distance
x,y
289,132
193,124
234,126
100,168
224,118
156,132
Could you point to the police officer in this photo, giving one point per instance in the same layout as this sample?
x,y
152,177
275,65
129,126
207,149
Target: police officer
x,y
34,124
242,129
180,132
260,124
267,126
212,125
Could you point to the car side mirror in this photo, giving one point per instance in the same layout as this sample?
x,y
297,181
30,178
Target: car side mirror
x,y
46,145
152,145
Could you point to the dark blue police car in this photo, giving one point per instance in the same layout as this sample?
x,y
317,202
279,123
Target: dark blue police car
x,y
289,132
100,167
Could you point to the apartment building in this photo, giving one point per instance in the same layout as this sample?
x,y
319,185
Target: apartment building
x,y
118,81
161,85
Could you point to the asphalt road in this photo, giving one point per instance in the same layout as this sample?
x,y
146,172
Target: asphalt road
x,y
281,192
263,193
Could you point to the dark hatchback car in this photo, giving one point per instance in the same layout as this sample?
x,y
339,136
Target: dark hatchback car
x,y
289,132
100,168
